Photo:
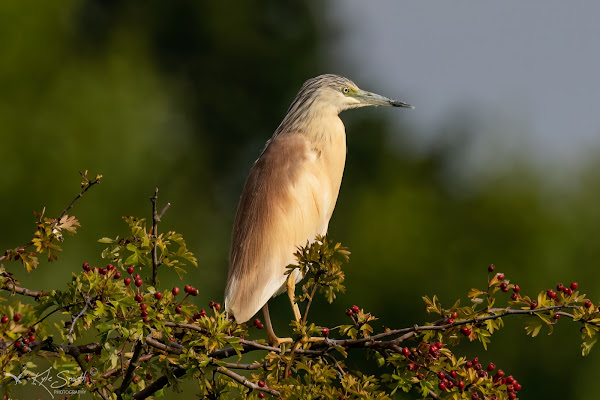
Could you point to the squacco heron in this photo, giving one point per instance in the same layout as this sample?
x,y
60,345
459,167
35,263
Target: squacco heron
x,y
290,194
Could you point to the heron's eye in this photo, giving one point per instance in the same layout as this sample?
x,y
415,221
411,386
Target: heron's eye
x,y
346,90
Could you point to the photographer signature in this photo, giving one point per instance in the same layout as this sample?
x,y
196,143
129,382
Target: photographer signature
x,y
49,381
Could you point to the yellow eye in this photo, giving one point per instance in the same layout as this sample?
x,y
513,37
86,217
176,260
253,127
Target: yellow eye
x,y
346,90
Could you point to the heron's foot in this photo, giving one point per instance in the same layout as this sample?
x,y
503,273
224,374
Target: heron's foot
x,y
312,340
277,341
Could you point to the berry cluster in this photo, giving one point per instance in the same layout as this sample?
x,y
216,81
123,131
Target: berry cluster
x,y
470,377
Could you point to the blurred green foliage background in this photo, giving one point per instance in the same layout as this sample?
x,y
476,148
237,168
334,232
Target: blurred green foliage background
x,y
182,95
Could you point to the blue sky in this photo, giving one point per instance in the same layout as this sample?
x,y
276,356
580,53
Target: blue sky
x,y
527,72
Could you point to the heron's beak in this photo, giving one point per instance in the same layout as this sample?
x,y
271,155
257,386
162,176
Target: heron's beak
x,y
373,99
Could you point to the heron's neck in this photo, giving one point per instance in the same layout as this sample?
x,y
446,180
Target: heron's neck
x,y
317,123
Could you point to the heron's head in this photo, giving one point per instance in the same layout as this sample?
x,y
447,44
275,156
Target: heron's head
x,y
343,94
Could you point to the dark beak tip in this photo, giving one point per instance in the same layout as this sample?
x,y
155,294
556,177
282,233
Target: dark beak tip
x,y
397,103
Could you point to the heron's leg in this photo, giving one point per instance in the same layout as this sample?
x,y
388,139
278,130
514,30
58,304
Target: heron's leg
x,y
272,337
291,289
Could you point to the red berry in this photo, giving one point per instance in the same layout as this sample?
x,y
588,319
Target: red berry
x,y
158,295
88,358
138,282
257,322
482,374
514,296
261,395
127,281
148,376
260,326
441,375
468,364
574,285
349,312
178,310
533,304
510,388
110,267
194,292
504,287
4,319
143,306
130,270
117,275
474,396
500,276
202,313
442,386
491,268
450,321
138,297
510,380
17,344
26,341
588,303
102,271
517,386
512,396
17,317
465,331
325,332
500,373
261,384
439,345
560,287
551,293
187,288
211,304
556,317
477,366
433,351
461,385
516,289
491,367
175,291
406,352
86,267
454,315
31,338
453,374
475,360
355,309
144,313
567,291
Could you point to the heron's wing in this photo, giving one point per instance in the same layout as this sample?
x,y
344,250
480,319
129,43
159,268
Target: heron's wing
x,y
284,203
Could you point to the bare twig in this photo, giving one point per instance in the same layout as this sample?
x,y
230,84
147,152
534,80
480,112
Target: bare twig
x,y
240,379
85,189
74,320
177,349
24,291
155,220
